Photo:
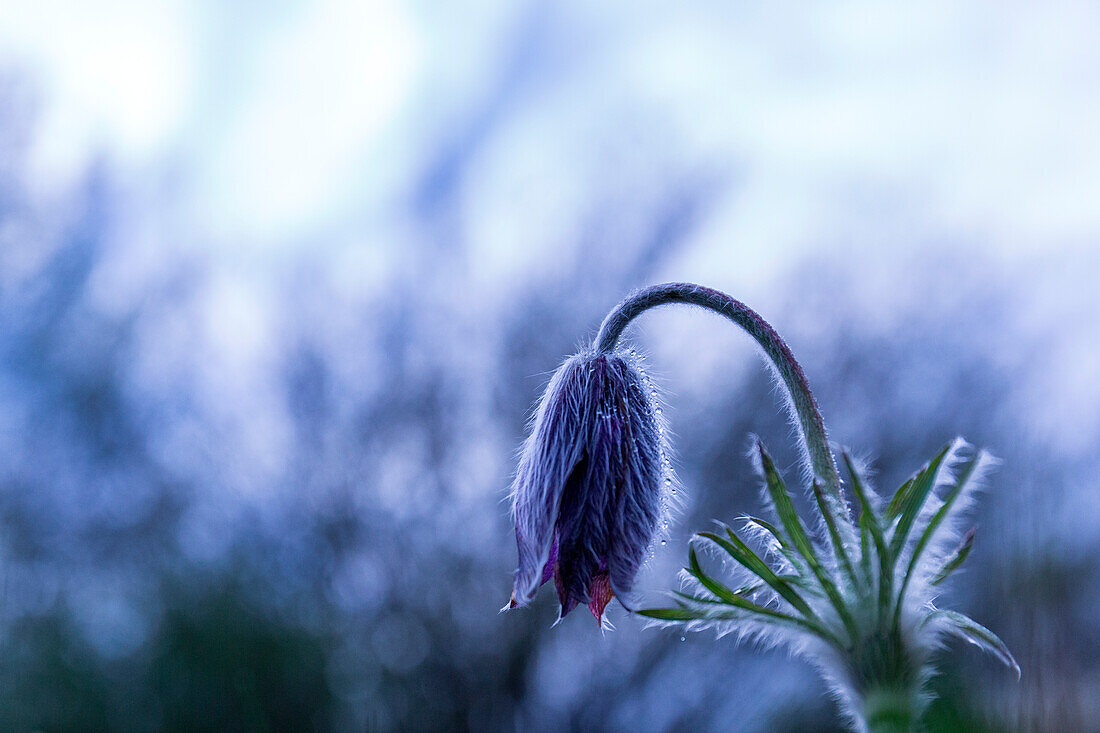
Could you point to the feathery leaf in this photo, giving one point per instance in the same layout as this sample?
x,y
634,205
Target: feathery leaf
x,y
719,590
967,628
834,536
784,544
915,497
869,519
956,558
934,524
896,501
784,507
742,553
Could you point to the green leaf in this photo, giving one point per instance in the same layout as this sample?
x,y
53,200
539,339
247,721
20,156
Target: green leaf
x,y
788,517
915,497
700,599
672,614
865,550
784,507
721,593
869,519
894,507
934,524
967,628
957,557
941,513
874,520
834,536
784,545
719,590
739,609
736,599
743,554
750,610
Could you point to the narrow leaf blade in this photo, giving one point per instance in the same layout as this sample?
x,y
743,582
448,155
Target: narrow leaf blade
x,y
869,519
957,557
967,628
788,517
893,509
784,507
784,545
865,550
719,590
743,554
834,536
672,614
923,483
936,521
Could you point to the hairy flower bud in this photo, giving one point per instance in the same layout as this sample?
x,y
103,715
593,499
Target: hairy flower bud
x,y
589,490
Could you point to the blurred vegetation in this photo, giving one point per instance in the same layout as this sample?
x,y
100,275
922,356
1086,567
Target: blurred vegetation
x,y
156,577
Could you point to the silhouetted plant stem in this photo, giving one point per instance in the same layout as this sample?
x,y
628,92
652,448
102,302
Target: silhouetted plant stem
x,y
815,439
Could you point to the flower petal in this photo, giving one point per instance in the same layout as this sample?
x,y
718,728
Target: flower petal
x,y
581,532
550,455
567,601
599,595
638,500
551,562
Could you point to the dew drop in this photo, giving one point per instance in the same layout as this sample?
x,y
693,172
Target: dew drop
x,y
683,638
664,542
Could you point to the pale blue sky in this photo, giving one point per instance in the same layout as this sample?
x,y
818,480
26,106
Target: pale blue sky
x,y
261,131
281,119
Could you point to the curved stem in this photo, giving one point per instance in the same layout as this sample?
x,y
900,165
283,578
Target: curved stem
x,y
811,425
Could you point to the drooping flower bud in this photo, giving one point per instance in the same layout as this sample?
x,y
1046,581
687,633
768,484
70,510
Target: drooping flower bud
x,y
589,491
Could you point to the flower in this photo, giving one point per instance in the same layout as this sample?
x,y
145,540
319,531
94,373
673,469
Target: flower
x,y
854,595
590,487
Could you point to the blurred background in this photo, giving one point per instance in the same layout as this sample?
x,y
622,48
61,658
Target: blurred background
x,y
280,283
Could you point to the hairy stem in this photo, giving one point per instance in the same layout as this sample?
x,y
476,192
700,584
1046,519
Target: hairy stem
x,y
815,440
887,712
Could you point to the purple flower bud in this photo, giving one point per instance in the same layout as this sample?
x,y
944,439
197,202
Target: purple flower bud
x,y
589,490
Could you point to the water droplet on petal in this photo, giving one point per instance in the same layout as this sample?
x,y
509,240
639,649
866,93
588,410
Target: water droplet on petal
x,y
683,638
664,542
